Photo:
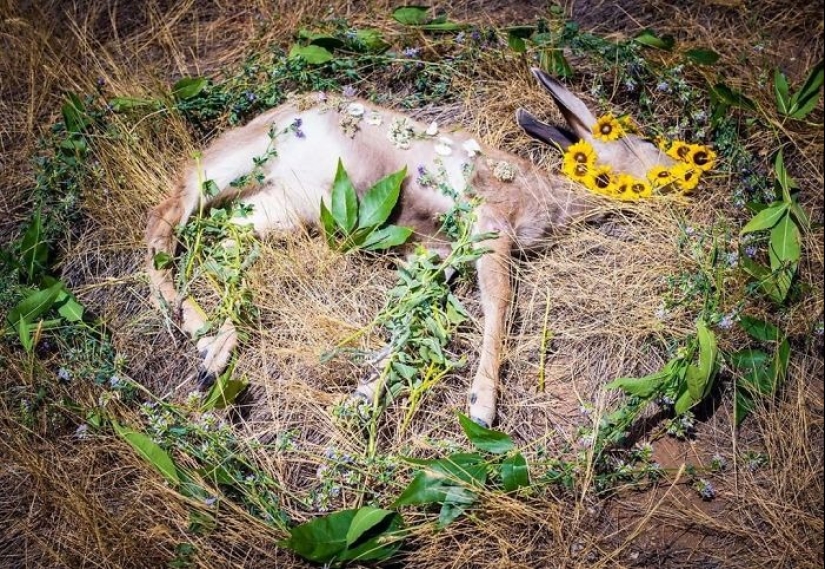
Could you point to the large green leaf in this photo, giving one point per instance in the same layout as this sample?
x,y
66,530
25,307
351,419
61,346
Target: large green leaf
x,y
189,88
35,304
74,114
702,56
515,473
723,93
425,488
410,15
379,201
370,40
312,54
766,219
34,250
328,224
324,40
804,100
781,91
708,356
785,248
641,386
466,468
68,306
150,451
485,439
760,330
224,391
649,38
387,237
344,201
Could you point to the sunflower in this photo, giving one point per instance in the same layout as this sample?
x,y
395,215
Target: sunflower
x,y
577,171
660,176
580,153
701,157
608,129
632,189
679,150
686,176
603,181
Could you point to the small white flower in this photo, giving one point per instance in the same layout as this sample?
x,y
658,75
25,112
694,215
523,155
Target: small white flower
x,y
356,110
432,130
82,431
374,119
443,149
471,147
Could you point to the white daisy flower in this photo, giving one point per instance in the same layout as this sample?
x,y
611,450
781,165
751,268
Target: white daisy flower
x,y
432,130
356,110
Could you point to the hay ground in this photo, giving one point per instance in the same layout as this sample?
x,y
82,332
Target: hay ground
x,y
93,503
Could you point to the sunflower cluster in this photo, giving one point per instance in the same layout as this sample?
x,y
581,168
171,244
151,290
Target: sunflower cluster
x,y
580,164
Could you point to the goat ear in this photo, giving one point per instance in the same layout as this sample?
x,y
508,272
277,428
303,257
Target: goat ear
x,y
575,112
552,135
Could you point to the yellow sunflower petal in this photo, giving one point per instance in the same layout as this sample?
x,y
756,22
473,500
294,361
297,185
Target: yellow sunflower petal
x,y
608,129
581,153
701,157
603,180
659,176
687,177
679,150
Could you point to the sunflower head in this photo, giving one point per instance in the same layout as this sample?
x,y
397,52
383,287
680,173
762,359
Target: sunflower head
x,y
608,128
701,157
581,153
686,177
603,181
660,176
576,171
623,185
679,150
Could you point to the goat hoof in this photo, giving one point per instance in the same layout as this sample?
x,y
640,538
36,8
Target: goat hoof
x,y
205,379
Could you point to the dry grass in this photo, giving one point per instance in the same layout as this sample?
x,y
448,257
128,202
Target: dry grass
x,y
92,503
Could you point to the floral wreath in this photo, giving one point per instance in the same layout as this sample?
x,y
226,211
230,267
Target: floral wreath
x,y
693,160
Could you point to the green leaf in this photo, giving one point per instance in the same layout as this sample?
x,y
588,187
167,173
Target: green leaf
x,y
800,216
410,15
24,334
150,451
35,304
786,183
766,218
364,520
123,104
516,42
554,62
68,306
425,488
695,383
312,54
74,114
748,359
344,201
379,201
702,56
328,224
485,439
781,90
721,92
643,387
514,473
708,356
387,237
189,88
784,244
744,405
442,27
781,362
224,391
760,330
34,250
684,402
371,40
162,260
324,40
648,37
466,468
323,539
805,100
